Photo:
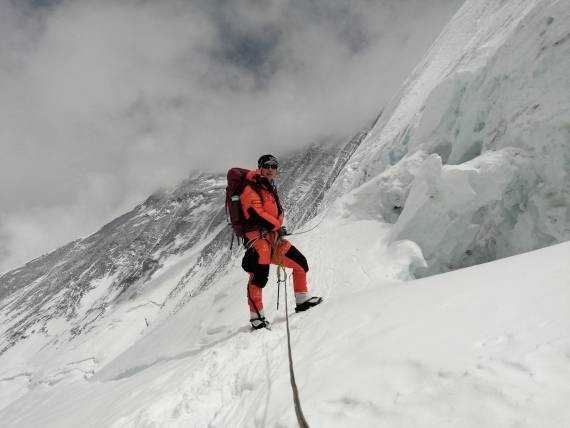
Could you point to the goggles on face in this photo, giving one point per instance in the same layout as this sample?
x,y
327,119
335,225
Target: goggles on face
x,y
270,165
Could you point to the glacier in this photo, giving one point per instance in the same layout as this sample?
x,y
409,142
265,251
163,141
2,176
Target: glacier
x,y
472,159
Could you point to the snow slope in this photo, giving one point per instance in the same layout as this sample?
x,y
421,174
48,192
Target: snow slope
x,y
483,346
71,311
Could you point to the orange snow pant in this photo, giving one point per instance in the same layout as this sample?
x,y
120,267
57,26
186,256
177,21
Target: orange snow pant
x,y
256,262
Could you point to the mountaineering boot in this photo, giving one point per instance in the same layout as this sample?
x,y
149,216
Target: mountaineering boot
x,y
308,304
257,323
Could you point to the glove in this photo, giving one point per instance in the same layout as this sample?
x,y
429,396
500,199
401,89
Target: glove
x,y
282,231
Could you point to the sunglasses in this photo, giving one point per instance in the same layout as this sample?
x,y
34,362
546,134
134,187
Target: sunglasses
x,y
269,166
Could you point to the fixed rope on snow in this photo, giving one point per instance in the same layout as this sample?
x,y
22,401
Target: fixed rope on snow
x,y
277,256
312,228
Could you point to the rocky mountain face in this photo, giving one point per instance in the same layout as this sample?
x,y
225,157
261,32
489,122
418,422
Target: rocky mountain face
x,y
127,252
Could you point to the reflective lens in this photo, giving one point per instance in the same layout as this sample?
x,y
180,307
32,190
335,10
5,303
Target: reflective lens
x,y
269,166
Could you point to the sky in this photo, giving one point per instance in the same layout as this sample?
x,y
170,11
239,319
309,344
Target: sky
x,y
105,102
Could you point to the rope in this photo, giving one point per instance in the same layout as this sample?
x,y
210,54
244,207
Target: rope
x,y
281,270
314,227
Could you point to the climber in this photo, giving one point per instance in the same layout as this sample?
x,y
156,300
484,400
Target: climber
x,y
265,245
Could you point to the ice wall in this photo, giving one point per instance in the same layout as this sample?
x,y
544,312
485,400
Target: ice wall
x,y
472,159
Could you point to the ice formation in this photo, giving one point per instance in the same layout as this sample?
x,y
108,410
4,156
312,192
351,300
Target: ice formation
x,y
472,160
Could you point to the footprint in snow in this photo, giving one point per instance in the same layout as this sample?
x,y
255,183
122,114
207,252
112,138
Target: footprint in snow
x,y
216,330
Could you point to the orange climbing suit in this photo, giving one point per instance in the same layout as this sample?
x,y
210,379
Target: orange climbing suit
x,y
261,207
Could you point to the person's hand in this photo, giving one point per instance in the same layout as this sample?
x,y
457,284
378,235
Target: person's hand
x,y
282,231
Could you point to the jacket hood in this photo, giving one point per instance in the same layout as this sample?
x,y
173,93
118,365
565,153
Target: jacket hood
x,y
253,175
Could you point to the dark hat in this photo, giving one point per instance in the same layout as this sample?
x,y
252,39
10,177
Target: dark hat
x,y
267,159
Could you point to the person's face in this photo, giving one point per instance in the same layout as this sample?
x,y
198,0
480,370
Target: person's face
x,y
269,170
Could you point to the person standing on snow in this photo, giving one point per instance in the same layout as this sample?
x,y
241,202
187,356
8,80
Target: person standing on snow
x,y
261,207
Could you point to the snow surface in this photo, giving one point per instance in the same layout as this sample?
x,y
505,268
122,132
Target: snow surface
x,y
483,346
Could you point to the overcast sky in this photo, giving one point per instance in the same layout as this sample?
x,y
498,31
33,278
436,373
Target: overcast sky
x,y
103,102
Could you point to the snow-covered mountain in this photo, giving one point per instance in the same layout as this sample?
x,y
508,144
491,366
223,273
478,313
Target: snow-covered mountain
x,y
145,322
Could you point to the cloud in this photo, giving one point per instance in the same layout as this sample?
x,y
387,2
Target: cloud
x,y
132,95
